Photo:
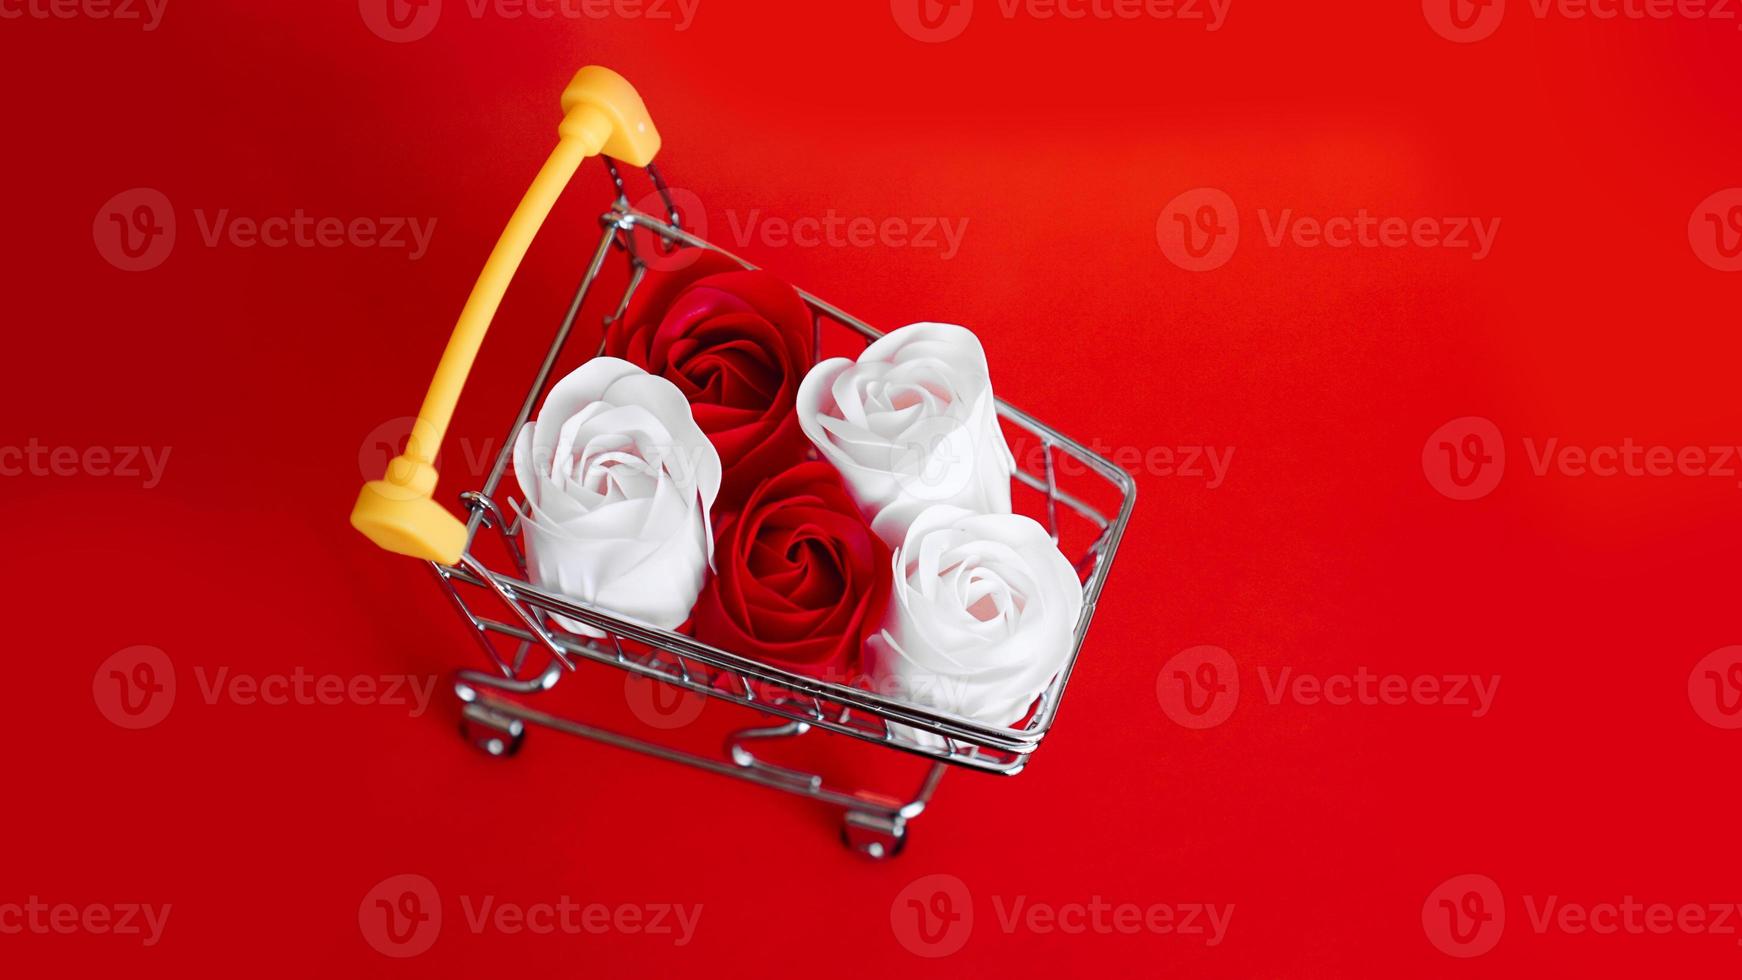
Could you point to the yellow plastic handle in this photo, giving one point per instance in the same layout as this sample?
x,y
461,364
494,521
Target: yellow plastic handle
x,y
602,113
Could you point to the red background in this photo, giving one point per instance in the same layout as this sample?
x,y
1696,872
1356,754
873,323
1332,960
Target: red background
x,y
1326,549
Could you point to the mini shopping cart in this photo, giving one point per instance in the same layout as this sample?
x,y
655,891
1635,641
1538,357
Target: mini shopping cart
x,y
511,618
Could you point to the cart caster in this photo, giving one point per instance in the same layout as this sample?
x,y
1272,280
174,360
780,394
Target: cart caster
x,y
491,732
873,835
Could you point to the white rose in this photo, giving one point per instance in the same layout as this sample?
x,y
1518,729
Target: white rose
x,y
982,615
910,424
618,480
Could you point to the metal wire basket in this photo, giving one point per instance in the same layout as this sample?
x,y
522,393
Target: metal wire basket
x,y
527,654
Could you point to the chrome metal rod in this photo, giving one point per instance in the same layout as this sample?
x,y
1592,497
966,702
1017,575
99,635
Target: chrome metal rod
x,y
774,777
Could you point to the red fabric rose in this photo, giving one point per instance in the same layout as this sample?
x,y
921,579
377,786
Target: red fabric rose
x,y
800,580
736,342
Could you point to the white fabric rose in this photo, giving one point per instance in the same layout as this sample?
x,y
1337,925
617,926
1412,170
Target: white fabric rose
x,y
982,615
910,424
618,481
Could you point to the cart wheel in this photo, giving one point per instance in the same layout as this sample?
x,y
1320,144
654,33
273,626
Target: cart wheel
x,y
876,836
491,732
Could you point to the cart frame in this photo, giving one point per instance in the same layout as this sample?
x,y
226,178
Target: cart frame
x,y
495,714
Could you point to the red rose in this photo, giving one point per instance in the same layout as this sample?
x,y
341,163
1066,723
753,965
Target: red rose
x,y
736,342
800,581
